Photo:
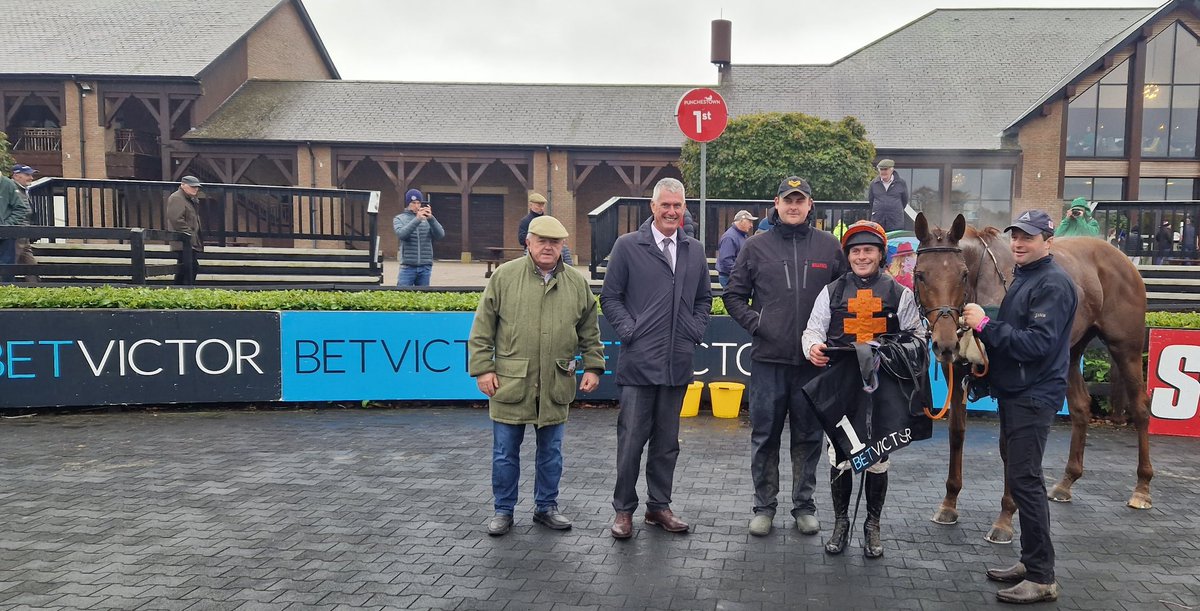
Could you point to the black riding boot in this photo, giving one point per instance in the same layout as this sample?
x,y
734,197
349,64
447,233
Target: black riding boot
x,y
876,485
840,485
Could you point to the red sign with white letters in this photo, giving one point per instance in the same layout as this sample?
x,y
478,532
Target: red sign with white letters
x,y
1174,382
702,114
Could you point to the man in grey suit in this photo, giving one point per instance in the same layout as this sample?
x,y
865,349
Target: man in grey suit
x,y
657,297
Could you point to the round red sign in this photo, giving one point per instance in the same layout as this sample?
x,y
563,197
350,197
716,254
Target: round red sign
x,y
702,114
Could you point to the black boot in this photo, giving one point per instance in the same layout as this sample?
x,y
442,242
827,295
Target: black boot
x,y
840,485
876,484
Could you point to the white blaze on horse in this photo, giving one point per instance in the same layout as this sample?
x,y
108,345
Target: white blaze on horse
x,y
968,265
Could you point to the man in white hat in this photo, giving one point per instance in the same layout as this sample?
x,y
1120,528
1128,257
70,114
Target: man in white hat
x,y
731,244
535,315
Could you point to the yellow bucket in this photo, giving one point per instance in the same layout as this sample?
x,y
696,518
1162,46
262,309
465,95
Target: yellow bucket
x,y
691,400
726,398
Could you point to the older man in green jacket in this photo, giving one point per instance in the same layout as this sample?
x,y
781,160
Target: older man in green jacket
x,y
535,316
13,211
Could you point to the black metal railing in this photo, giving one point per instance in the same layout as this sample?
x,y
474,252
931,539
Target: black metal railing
x,y
229,214
134,267
621,215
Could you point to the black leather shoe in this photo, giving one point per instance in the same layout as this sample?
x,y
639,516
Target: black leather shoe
x,y
1028,592
500,524
1012,574
551,518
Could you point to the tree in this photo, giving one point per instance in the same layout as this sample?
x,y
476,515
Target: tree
x,y
6,158
757,151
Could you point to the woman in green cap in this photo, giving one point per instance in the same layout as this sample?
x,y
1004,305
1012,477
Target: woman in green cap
x,y
1078,221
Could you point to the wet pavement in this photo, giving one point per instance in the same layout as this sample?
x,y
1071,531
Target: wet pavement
x,y
385,508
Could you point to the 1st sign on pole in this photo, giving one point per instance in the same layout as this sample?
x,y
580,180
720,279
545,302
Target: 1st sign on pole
x,y
702,116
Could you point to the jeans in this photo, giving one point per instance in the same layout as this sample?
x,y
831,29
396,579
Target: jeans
x,y
723,280
1024,426
506,465
182,278
8,256
414,275
776,394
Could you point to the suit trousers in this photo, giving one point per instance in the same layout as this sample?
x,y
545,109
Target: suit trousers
x,y
1024,426
648,414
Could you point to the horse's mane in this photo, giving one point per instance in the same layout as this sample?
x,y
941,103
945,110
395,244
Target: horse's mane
x,y
986,232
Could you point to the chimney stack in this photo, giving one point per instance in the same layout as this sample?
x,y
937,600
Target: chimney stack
x,y
722,35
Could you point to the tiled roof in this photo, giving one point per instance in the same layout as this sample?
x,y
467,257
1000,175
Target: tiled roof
x,y
953,79
140,38
626,116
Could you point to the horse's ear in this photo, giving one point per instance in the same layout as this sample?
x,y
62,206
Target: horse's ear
x,y
921,229
958,229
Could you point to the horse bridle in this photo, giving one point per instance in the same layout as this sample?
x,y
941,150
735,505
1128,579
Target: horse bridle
x,y
944,311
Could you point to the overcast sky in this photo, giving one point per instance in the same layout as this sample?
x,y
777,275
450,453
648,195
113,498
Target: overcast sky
x,y
607,41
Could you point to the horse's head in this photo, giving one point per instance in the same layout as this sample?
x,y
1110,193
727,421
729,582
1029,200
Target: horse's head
x,y
940,283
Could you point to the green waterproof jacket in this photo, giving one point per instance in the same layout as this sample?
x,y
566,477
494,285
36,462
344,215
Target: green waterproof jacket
x,y
528,332
14,209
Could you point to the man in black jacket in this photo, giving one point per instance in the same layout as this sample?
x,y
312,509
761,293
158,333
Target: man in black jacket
x,y
777,276
1029,345
888,197
537,207
657,297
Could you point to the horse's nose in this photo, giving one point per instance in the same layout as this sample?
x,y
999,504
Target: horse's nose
x,y
944,352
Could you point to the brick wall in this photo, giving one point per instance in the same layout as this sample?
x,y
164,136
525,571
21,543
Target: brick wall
x,y
219,80
281,48
94,134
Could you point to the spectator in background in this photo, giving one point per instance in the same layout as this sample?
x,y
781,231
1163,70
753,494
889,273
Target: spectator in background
x,y
23,176
888,197
1188,243
14,210
1078,221
416,228
731,244
537,207
1164,240
181,216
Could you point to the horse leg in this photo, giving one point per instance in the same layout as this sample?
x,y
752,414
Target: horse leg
x,y
947,513
1079,405
1001,531
1128,361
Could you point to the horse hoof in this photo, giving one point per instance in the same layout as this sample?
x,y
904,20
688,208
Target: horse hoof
x,y
1140,500
999,536
945,516
1060,495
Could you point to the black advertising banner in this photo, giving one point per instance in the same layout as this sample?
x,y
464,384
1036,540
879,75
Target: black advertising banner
x,y
115,357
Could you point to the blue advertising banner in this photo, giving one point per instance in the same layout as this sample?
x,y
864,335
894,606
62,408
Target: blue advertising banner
x,y
341,356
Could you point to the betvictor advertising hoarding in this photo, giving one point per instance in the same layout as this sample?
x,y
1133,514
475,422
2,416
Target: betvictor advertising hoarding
x,y
114,357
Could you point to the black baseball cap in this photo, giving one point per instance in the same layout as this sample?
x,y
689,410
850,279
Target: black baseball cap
x,y
1032,222
794,184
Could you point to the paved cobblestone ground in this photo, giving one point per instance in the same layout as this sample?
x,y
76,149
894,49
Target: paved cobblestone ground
x,y
385,508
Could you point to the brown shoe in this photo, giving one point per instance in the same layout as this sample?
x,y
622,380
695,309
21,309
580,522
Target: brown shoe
x,y
1028,592
667,521
622,527
1013,574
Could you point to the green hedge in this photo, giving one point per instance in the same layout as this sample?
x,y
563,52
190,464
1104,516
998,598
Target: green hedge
x,y
137,298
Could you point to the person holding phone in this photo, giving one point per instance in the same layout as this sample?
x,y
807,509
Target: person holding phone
x,y
416,229
1078,221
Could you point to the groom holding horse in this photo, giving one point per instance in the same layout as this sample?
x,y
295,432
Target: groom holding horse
x,y
1029,345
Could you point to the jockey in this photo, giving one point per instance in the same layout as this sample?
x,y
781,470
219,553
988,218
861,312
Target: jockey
x,y
856,313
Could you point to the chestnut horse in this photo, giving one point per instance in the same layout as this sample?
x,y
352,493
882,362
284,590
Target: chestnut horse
x,y
965,265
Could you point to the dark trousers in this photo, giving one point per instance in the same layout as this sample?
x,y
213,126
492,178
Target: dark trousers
x,y
776,394
182,277
648,414
8,256
25,257
1024,426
